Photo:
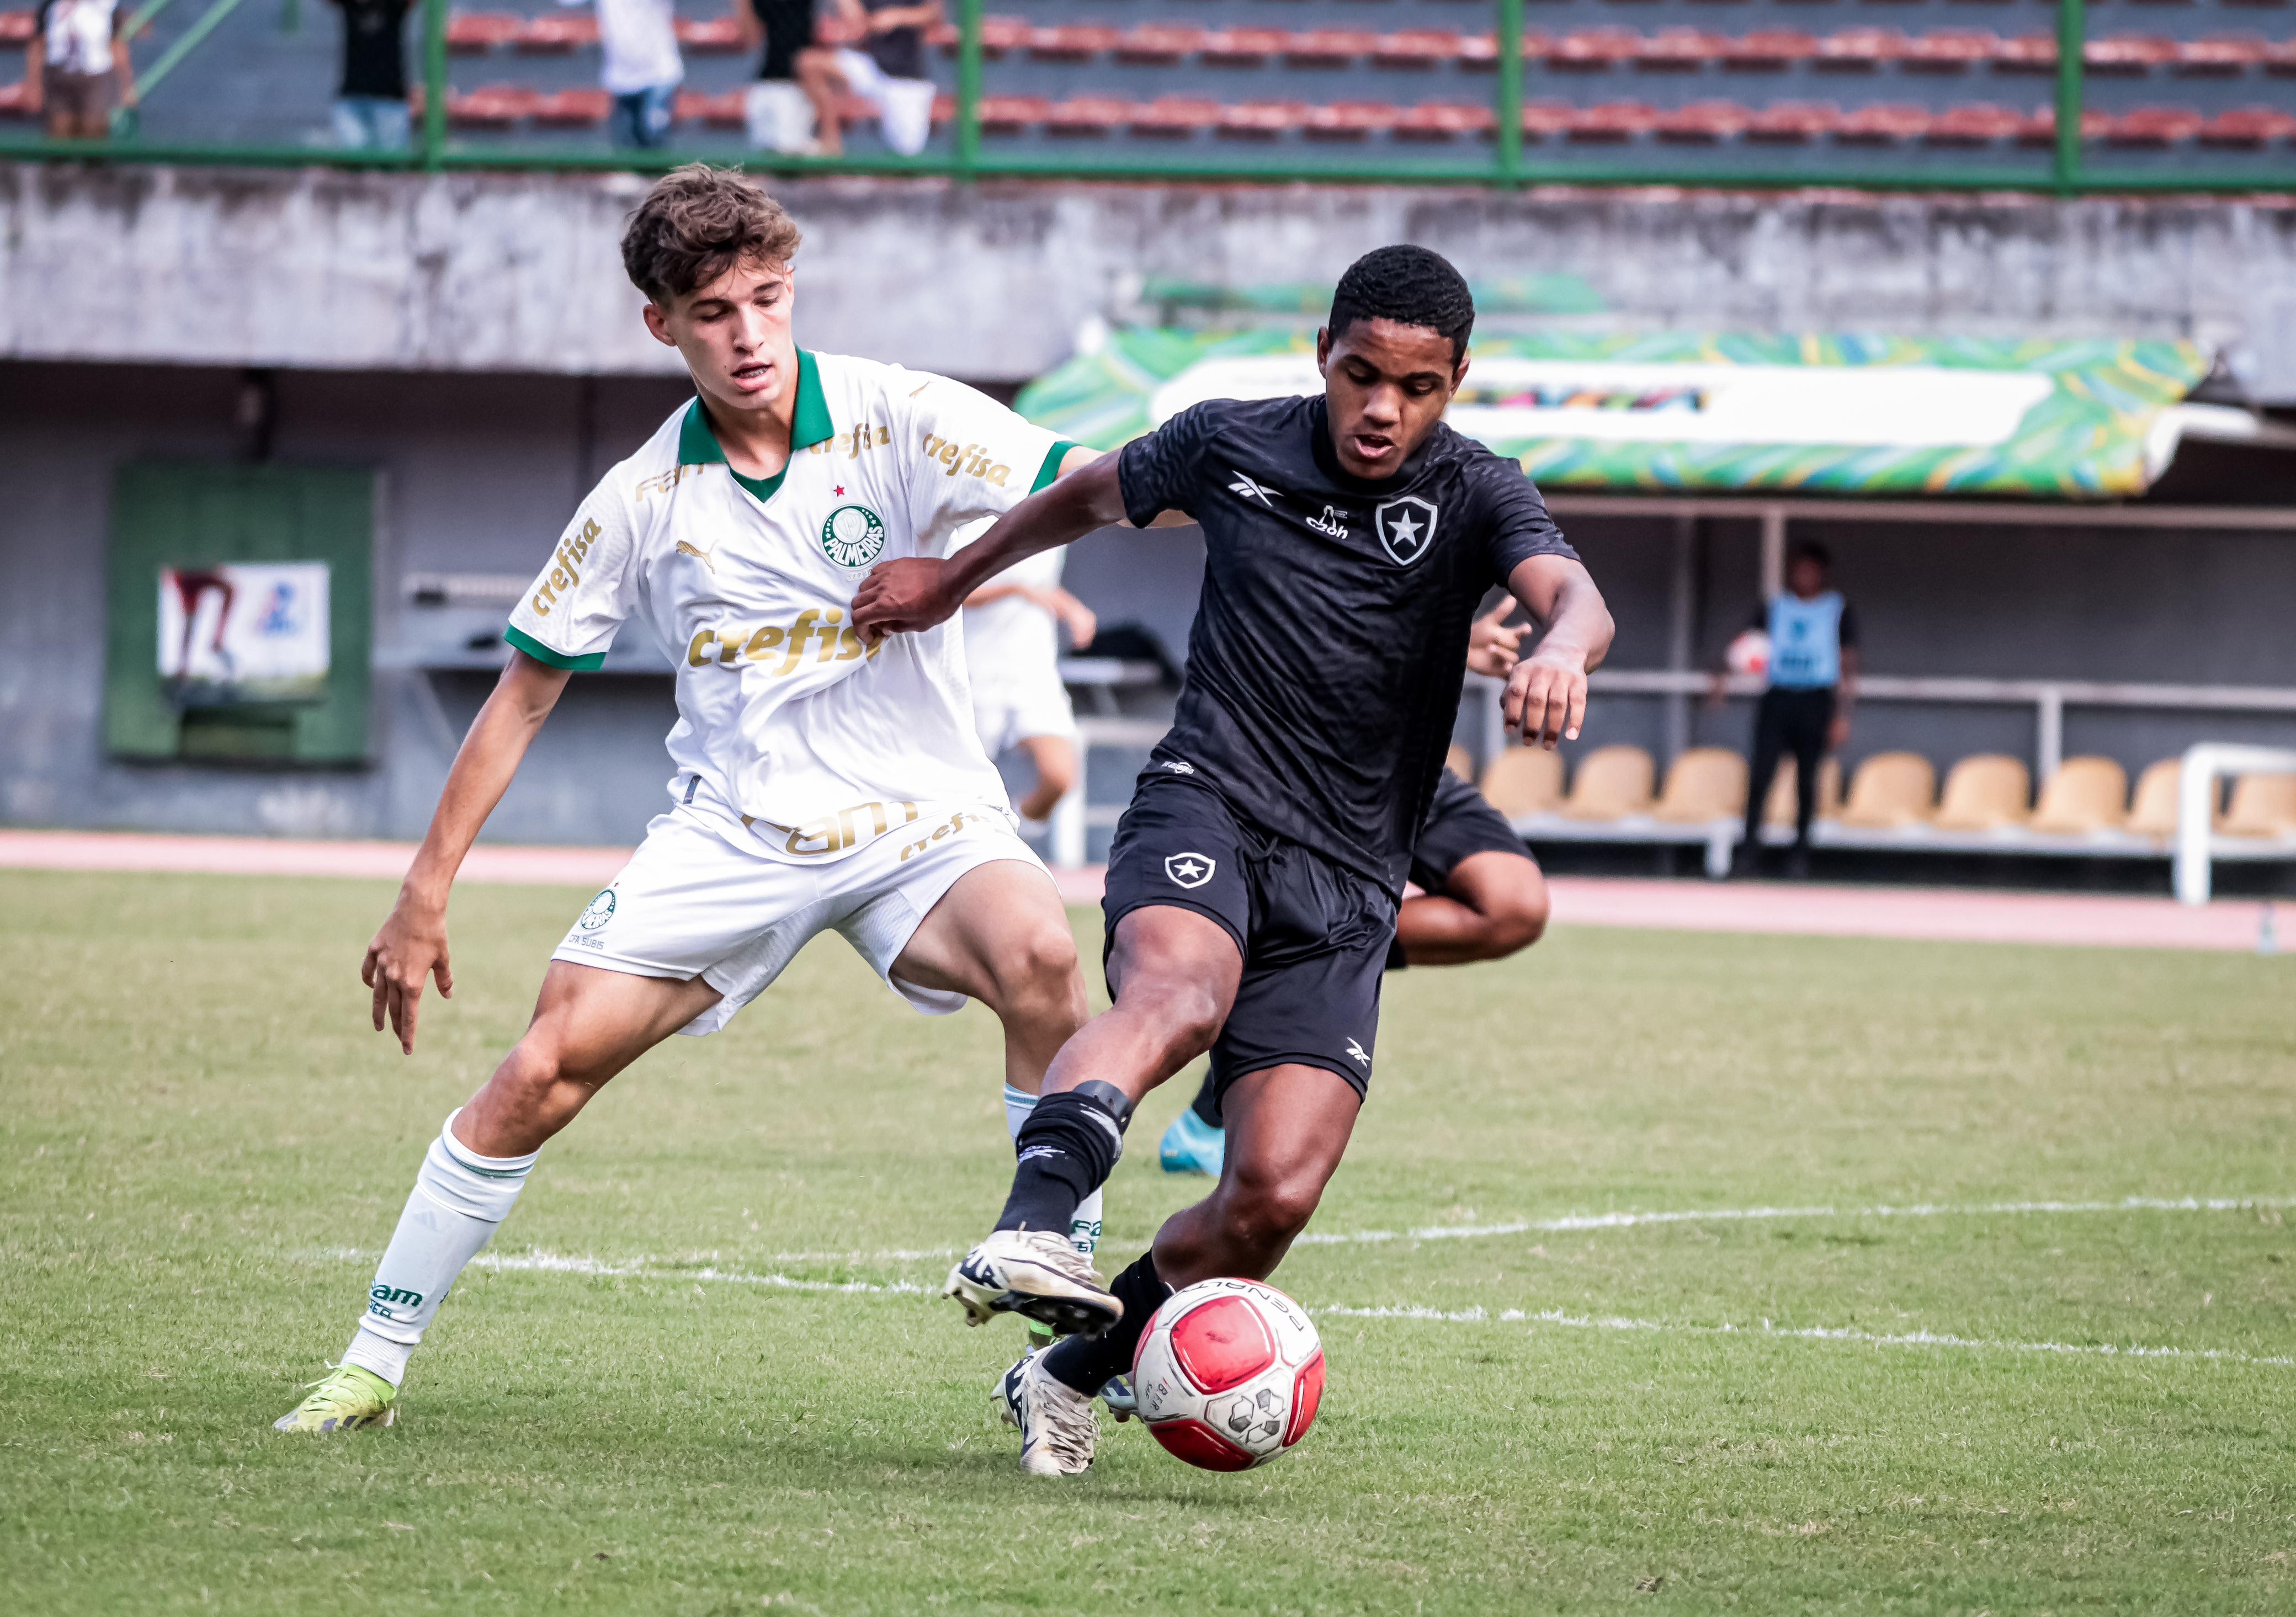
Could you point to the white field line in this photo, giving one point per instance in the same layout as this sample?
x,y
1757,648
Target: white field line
x,y
1902,1339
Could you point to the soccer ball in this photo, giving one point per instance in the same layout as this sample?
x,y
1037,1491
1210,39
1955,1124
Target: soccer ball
x,y
1748,653
1228,1374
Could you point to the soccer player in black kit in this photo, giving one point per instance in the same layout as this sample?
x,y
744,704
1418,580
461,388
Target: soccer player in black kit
x,y
1253,882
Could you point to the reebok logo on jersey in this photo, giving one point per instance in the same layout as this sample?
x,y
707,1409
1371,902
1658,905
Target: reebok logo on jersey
x,y
1361,1056
1189,869
1250,490
1407,528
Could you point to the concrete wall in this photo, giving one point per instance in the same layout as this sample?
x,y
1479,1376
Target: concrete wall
x,y
477,472
321,269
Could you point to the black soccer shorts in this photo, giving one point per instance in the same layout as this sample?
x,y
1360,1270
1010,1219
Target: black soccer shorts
x,y
1460,823
1314,934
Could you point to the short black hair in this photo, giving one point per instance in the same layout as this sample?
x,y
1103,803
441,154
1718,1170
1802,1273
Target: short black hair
x,y
1409,285
1811,550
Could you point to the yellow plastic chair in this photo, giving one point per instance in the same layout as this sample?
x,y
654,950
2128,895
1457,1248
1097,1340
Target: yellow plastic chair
x,y
1781,809
1889,791
1610,784
1987,791
1524,780
1705,784
1460,762
2152,810
2262,806
2087,795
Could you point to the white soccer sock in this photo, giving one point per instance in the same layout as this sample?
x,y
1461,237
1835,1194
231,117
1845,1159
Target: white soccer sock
x,y
1083,1228
459,1198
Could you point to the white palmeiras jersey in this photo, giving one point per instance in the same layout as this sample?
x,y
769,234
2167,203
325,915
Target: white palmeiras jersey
x,y
784,718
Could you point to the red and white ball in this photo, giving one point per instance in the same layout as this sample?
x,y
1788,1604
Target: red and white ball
x,y
1748,653
1228,1374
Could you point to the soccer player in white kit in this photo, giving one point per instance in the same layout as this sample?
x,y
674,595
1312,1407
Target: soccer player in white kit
x,y
1013,648
822,783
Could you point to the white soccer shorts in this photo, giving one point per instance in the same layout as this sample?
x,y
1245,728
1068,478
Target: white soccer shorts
x,y
693,901
1006,717
904,106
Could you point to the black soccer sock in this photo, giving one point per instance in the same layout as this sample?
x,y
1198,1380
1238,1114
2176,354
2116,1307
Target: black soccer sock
x,y
1206,1105
1087,1362
1067,1148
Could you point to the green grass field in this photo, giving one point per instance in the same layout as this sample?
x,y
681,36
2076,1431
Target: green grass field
x,y
204,1149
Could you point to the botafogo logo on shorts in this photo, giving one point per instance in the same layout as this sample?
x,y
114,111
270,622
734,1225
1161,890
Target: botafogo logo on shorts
x,y
1189,869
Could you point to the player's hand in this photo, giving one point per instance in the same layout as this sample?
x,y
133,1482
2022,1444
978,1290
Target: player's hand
x,y
1837,734
1081,621
410,946
1546,699
1492,647
902,597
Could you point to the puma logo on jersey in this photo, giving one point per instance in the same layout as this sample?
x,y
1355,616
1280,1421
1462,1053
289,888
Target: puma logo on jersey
x,y
1246,488
1356,1052
700,555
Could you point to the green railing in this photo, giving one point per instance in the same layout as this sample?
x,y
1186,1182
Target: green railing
x,y
2068,168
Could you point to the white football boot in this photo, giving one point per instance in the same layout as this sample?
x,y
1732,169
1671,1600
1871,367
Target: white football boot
x,y
1036,1273
1057,1427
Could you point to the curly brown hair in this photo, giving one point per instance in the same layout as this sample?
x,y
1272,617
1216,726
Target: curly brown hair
x,y
696,224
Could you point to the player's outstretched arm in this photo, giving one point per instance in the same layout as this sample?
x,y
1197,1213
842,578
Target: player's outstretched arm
x,y
902,597
412,945
1546,699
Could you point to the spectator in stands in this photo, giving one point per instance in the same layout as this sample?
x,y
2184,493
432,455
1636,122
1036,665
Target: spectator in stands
x,y
1812,667
640,66
78,69
370,103
888,71
794,95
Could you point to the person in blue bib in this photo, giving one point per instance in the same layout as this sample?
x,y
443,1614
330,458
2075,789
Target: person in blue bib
x,y
1813,683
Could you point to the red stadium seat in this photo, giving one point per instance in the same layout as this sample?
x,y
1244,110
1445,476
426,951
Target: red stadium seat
x,y
1862,49
494,106
2026,54
1328,47
470,33
1175,117
1086,115
2249,127
2040,128
1611,120
1952,50
1479,50
1680,50
12,97
572,109
1417,47
1000,36
1703,122
723,112
1594,48
1262,119
836,29
718,37
1243,47
2128,53
1071,44
1975,124
1546,119
15,28
1350,120
2280,58
1882,124
1443,120
1158,45
1010,114
1767,49
1793,122
2154,126
2221,55
554,36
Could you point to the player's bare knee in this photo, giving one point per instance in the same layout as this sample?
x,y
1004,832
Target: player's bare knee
x,y
1263,1212
1187,1016
1037,974
1516,922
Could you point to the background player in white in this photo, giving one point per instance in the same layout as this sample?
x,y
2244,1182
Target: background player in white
x,y
820,784
1012,651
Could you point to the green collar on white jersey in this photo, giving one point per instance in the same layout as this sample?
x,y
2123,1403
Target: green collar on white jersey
x,y
809,424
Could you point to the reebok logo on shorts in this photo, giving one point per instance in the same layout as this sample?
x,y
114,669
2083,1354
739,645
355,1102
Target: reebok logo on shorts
x,y
1361,1056
1189,869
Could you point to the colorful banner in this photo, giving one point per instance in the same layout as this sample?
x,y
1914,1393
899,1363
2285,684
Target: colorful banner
x,y
243,631
1863,416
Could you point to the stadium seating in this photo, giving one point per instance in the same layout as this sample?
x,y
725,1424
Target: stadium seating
x,y
1987,793
1782,807
1460,762
1705,783
2089,795
1524,780
2152,809
1610,784
1890,791
2261,806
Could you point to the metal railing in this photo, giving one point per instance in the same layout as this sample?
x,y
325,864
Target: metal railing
x,y
2070,167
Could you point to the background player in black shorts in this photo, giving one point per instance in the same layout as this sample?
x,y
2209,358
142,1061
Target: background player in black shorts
x,y
1481,897
1253,882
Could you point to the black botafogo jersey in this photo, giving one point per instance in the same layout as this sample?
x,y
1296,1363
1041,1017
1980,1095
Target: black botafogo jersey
x,y
1330,640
